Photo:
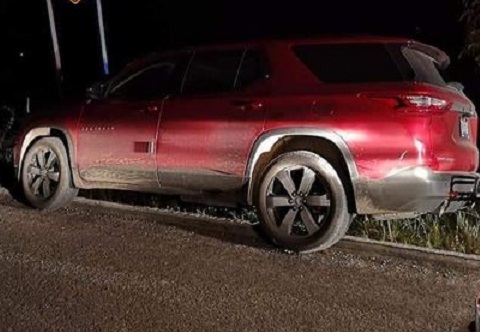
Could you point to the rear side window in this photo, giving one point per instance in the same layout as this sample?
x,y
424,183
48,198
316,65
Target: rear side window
x,y
253,69
368,63
213,71
349,63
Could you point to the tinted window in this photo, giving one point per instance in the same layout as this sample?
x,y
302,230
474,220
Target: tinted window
x,y
364,63
153,81
424,67
253,69
350,63
213,71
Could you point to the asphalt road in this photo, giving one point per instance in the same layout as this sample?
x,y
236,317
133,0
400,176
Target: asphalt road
x,y
87,268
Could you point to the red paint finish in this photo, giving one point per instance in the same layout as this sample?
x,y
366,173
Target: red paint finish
x,y
210,134
110,133
381,137
214,133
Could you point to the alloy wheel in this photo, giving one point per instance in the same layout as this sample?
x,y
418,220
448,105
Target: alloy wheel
x,y
43,173
299,201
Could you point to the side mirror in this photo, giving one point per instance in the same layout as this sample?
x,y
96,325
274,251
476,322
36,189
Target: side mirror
x,y
96,91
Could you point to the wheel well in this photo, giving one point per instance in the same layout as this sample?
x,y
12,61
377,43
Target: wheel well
x,y
317,145
61,135
53,132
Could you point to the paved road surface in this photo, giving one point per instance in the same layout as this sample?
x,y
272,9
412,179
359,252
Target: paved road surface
x,y
88,268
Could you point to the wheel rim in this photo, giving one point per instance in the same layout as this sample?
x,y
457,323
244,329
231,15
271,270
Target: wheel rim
x,y
298,202
43,173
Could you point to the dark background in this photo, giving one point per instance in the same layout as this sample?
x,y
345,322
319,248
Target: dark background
x,y
137,27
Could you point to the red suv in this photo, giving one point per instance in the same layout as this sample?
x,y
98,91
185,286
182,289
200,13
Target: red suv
x,y
310,132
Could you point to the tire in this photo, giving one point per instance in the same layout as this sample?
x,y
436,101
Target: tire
x,y
46,176
302,203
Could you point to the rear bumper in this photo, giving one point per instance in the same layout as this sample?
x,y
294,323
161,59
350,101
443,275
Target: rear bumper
x,y
416,190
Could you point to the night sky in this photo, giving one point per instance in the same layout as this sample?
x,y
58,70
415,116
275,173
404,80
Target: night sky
x,y
138,27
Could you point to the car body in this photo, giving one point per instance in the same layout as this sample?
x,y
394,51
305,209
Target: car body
x,y
368,121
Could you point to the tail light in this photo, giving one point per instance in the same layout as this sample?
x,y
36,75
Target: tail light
x,y
411,102
425,102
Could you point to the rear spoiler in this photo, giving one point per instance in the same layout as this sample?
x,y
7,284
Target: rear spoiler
x,y
438,55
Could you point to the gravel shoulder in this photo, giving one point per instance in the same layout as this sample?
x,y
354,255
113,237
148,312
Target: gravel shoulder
x,y
96,268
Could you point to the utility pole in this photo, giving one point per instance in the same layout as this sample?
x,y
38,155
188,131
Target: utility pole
x,y
56,48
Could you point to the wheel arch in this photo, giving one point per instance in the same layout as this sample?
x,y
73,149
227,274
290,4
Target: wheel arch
x,y
36,134
323,142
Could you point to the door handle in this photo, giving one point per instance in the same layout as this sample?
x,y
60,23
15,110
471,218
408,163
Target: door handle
x,y
149,109
248,105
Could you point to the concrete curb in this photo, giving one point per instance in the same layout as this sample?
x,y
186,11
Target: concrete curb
x,y
158,211
357,245
191,221
407,247
363,246
240,228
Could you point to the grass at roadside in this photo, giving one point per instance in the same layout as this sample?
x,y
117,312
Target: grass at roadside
x,y
455,231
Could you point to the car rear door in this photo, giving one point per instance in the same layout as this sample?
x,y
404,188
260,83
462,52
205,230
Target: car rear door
x,y
206,133
118,135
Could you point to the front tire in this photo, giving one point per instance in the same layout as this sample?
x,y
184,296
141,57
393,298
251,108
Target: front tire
x,y
46,176
302,203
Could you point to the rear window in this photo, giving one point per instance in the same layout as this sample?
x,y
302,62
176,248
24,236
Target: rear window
x,y
424,67
368,63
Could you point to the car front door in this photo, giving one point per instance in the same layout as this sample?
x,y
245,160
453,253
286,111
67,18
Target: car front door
x,y
118,135
206,133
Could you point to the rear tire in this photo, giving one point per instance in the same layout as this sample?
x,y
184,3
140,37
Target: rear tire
x,y
46,176
302,203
